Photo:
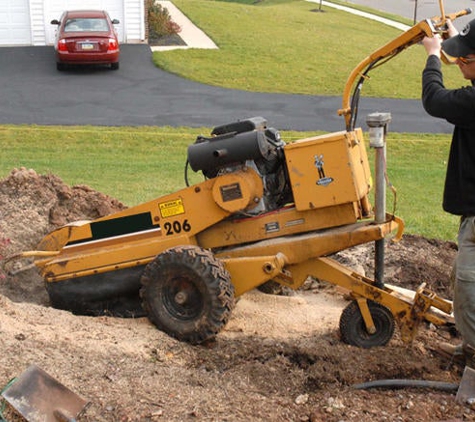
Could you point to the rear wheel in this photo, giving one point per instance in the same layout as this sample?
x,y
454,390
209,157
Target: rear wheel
x,y
115,66
60,66
353,329
187,293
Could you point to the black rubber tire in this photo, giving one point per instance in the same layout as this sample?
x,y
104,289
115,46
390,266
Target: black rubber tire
x,y
353,330
187,293
61,66
115,66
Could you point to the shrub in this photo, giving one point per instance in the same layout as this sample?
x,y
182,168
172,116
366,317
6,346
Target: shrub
x,y
159,21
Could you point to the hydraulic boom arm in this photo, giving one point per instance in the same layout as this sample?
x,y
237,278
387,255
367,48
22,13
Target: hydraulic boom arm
x,y
412,36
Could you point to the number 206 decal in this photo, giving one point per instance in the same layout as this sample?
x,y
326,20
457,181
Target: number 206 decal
x,y
176,227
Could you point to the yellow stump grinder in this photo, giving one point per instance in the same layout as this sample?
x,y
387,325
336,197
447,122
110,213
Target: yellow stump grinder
x,y
267,211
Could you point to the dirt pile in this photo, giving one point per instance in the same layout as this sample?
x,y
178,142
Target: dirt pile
x,y
31,206
279,357
408,263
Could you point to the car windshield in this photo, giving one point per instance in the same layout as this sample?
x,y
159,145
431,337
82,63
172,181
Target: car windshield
x,y
86,25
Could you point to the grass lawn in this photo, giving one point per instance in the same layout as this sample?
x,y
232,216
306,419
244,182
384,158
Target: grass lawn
x,y
268,46
287,47
138,164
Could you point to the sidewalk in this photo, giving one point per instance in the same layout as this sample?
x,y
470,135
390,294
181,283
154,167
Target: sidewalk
x,y
190,34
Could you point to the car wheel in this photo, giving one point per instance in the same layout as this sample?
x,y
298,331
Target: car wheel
x,y
60,66
115,66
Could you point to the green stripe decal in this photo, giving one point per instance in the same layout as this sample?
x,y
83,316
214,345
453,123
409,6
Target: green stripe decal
x,y
122,225
119,226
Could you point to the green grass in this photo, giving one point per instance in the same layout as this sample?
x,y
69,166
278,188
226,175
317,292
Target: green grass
x,y
138,164
416,168
283,46
269,46
130,164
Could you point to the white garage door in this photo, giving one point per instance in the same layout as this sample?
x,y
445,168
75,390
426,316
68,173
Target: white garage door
x,y
14,22
54,8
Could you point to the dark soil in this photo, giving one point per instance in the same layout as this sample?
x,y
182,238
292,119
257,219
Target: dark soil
x,y
280,358
166,40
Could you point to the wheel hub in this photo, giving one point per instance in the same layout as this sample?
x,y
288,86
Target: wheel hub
x,y
181,297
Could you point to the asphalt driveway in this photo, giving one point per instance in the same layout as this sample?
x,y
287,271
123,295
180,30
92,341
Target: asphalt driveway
x,y
34,92
420,9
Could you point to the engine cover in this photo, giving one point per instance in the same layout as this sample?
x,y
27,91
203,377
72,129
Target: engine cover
x,y
209,154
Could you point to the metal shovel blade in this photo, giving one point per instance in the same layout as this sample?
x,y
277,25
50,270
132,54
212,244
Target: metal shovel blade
x,y
466,391
38,397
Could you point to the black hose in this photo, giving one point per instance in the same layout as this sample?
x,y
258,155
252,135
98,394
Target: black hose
x,y
356,95
402,383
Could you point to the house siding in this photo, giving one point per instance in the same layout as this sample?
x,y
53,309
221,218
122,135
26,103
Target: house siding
x,y
135,25
38,24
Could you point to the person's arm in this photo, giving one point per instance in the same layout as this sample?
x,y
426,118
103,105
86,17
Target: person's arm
x,y
432,79
457,106
432,45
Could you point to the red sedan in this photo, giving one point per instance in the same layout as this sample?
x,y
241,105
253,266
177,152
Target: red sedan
x,y
86,37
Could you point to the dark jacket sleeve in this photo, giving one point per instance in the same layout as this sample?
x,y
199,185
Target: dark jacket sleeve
x,y
457,106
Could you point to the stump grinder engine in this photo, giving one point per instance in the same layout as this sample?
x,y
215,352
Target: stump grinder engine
x,y
266,212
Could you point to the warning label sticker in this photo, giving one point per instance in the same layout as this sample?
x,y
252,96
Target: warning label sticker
x,y
171,208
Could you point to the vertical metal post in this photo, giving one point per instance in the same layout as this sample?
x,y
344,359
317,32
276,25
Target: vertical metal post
x,y
415,12
378,123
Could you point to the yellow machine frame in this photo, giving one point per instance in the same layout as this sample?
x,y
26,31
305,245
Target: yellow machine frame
x,y
330,181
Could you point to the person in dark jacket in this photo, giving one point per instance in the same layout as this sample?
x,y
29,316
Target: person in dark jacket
x,y
457,106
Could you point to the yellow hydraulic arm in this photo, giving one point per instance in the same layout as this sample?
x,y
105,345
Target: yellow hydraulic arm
x,y
412,36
